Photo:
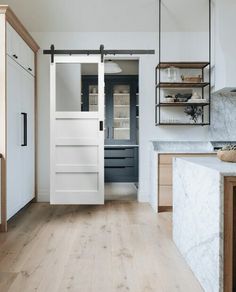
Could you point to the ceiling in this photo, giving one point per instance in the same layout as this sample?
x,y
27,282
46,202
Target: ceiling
x,y
110,15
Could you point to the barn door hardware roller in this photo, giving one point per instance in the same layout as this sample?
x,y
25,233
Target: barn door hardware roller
x,y
52,52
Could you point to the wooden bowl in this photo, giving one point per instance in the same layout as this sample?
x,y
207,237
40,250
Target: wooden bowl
x,y
227,155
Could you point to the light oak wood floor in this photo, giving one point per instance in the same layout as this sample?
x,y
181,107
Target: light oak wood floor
x,y
122,246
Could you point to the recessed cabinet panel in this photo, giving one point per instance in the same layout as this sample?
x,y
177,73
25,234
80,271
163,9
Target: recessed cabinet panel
x,y
76,128
76,182
77,155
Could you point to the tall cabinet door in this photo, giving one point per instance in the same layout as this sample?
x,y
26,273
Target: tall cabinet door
x,y
14,139
20,137
27,149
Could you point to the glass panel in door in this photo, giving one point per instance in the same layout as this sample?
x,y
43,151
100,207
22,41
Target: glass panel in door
x,y
121,112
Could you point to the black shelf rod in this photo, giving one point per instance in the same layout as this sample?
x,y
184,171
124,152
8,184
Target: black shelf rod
x,y
101,52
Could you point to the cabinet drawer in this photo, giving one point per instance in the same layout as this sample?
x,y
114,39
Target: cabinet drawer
x,y
125,161
165,196
165,175
119,152
120,174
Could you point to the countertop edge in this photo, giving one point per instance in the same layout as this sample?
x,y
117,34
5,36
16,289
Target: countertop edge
x,y
199,164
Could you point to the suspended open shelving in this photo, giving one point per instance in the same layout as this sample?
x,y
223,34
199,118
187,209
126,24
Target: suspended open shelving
x,y
194,112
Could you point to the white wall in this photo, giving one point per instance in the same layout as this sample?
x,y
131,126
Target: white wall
x,y
186,46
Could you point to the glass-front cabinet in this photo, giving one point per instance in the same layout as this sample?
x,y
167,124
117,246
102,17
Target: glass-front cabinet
x,y
120,107
121,112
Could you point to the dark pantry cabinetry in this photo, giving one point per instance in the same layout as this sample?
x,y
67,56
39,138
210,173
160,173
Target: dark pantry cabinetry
x,y
121,124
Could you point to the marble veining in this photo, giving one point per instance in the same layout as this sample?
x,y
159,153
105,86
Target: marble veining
x,y
223,117
198,191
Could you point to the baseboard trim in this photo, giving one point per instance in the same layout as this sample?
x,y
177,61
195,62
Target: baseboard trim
x,y
43,196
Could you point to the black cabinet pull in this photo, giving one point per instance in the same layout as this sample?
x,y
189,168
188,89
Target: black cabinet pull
x,y
107,132
24,129
15,56
30,69
101,125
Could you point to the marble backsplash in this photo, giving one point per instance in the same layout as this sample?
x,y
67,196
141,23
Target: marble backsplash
x,y
223,117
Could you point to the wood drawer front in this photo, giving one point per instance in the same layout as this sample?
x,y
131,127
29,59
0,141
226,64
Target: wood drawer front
x,y
124,161
165,196
165,175
168,158
119,152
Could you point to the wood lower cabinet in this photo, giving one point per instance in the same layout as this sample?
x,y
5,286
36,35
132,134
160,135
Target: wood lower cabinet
x,y
164,192
229,234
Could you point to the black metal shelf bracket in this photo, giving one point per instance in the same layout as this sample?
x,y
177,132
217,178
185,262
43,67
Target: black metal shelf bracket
x,y
52,52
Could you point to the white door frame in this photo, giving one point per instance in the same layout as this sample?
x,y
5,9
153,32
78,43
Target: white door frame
x,y
72,196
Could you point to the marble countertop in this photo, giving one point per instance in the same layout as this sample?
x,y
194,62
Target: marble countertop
x,y
213,163
182,147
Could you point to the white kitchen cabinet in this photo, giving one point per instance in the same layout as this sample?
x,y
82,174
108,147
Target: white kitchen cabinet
x,y
20,138
17,115
19,51
13,44
13,139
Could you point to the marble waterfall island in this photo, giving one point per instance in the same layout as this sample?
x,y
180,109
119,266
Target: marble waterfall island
x,y
203,216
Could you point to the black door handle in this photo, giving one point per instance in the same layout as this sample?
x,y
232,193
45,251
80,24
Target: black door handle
x,y
15,56
25,138
30,69
101,125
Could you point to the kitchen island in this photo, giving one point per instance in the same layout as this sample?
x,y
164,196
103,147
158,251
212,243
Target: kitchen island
x,y
204,219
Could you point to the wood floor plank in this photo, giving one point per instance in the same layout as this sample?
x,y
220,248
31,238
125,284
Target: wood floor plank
x,y
121,246
6,279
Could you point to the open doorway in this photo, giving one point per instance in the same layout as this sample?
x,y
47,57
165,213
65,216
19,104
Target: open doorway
x,y
121,136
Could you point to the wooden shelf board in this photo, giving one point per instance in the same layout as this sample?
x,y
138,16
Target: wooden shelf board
x,y
183,65
121,94
182,85
173,104
121,118
182,124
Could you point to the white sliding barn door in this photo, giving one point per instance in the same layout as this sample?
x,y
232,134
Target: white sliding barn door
x,y
77,136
